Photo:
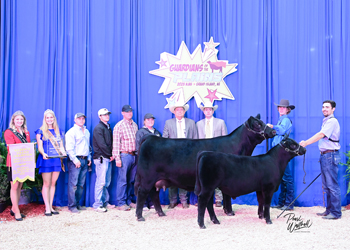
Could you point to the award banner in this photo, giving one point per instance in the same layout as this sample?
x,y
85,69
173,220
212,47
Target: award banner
x,y
199,75
22,161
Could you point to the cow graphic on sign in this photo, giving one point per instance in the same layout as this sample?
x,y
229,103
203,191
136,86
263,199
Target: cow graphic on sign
x,y
217,65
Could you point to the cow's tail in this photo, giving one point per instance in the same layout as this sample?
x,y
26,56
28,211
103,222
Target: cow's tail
x,y
198,186
137,184
137,177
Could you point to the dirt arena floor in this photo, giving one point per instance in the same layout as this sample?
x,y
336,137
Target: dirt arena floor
x,y
298,229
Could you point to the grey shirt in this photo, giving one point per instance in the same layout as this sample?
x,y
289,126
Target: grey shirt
x,y
331,129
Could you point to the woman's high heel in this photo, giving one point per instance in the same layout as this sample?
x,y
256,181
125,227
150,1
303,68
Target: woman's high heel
x,y
13,214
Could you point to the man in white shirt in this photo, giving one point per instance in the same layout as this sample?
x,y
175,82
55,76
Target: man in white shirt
x,y
78,149
211,127
179,127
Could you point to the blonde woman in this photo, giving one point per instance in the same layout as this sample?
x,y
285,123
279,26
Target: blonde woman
x,y
49,168
16,133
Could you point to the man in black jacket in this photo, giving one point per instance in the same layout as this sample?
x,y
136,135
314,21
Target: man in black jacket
x,y
102,143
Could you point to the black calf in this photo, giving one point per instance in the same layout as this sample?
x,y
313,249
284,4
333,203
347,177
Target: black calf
x,y
239,175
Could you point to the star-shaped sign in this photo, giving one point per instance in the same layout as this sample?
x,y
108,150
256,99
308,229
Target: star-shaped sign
x,y
199,75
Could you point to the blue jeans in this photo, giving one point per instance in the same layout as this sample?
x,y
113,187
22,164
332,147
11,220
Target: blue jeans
x,y
76,181
126,180
287,188
103,179
329,169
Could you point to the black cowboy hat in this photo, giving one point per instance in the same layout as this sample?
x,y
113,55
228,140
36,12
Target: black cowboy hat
x,y
285,103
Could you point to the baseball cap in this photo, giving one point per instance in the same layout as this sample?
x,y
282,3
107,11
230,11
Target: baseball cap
x,y
77,115
103,111
126,108
148,115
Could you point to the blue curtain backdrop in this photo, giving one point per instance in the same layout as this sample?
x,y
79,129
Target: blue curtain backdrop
x,y
80,56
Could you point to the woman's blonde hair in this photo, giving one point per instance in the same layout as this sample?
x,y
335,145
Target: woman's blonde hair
x,y
45,128
12,122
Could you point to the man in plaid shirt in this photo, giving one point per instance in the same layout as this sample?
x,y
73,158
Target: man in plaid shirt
x,y
124,144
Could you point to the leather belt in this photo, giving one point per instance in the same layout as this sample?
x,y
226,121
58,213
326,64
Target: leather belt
x,y
129,153
81,156
329,151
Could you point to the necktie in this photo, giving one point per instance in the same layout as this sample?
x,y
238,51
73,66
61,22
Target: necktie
x,y
207,130
181,134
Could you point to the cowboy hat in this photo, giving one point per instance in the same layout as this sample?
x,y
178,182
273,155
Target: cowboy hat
x,y
185,107
285,103
208,105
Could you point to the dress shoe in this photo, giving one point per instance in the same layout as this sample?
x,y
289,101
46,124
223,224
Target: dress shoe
x,y
218,204
123,208
277,206
82,208
55,212
172,205
185,205
48,214
330,217
19,219
287,208
325,213
13,214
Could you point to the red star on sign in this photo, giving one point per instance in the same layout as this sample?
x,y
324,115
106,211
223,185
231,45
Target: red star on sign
x,y
211,95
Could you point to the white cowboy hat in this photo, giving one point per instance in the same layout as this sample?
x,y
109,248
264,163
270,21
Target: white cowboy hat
x,y
208,105
185,107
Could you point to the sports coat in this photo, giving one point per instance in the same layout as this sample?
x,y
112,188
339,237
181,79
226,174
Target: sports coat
x,y
170,130
219,128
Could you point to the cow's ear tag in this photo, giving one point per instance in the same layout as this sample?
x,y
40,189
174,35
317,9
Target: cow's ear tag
x,y
257,116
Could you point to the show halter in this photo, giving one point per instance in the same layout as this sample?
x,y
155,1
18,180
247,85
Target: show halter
x,y
262,132
297,153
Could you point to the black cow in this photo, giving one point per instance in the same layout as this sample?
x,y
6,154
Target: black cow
x,y
238,175
167,162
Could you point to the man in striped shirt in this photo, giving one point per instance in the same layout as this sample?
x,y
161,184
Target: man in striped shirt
x,y
124,146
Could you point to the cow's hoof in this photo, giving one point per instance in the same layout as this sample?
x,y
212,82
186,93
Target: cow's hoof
x,y
141,219
268,222
161,214
261,216
230,213
202,227
216,221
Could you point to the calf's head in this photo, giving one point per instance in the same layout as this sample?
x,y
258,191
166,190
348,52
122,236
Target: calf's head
x,y
292,146
257,126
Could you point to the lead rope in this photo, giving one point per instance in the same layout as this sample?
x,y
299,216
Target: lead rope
x,y
304,170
